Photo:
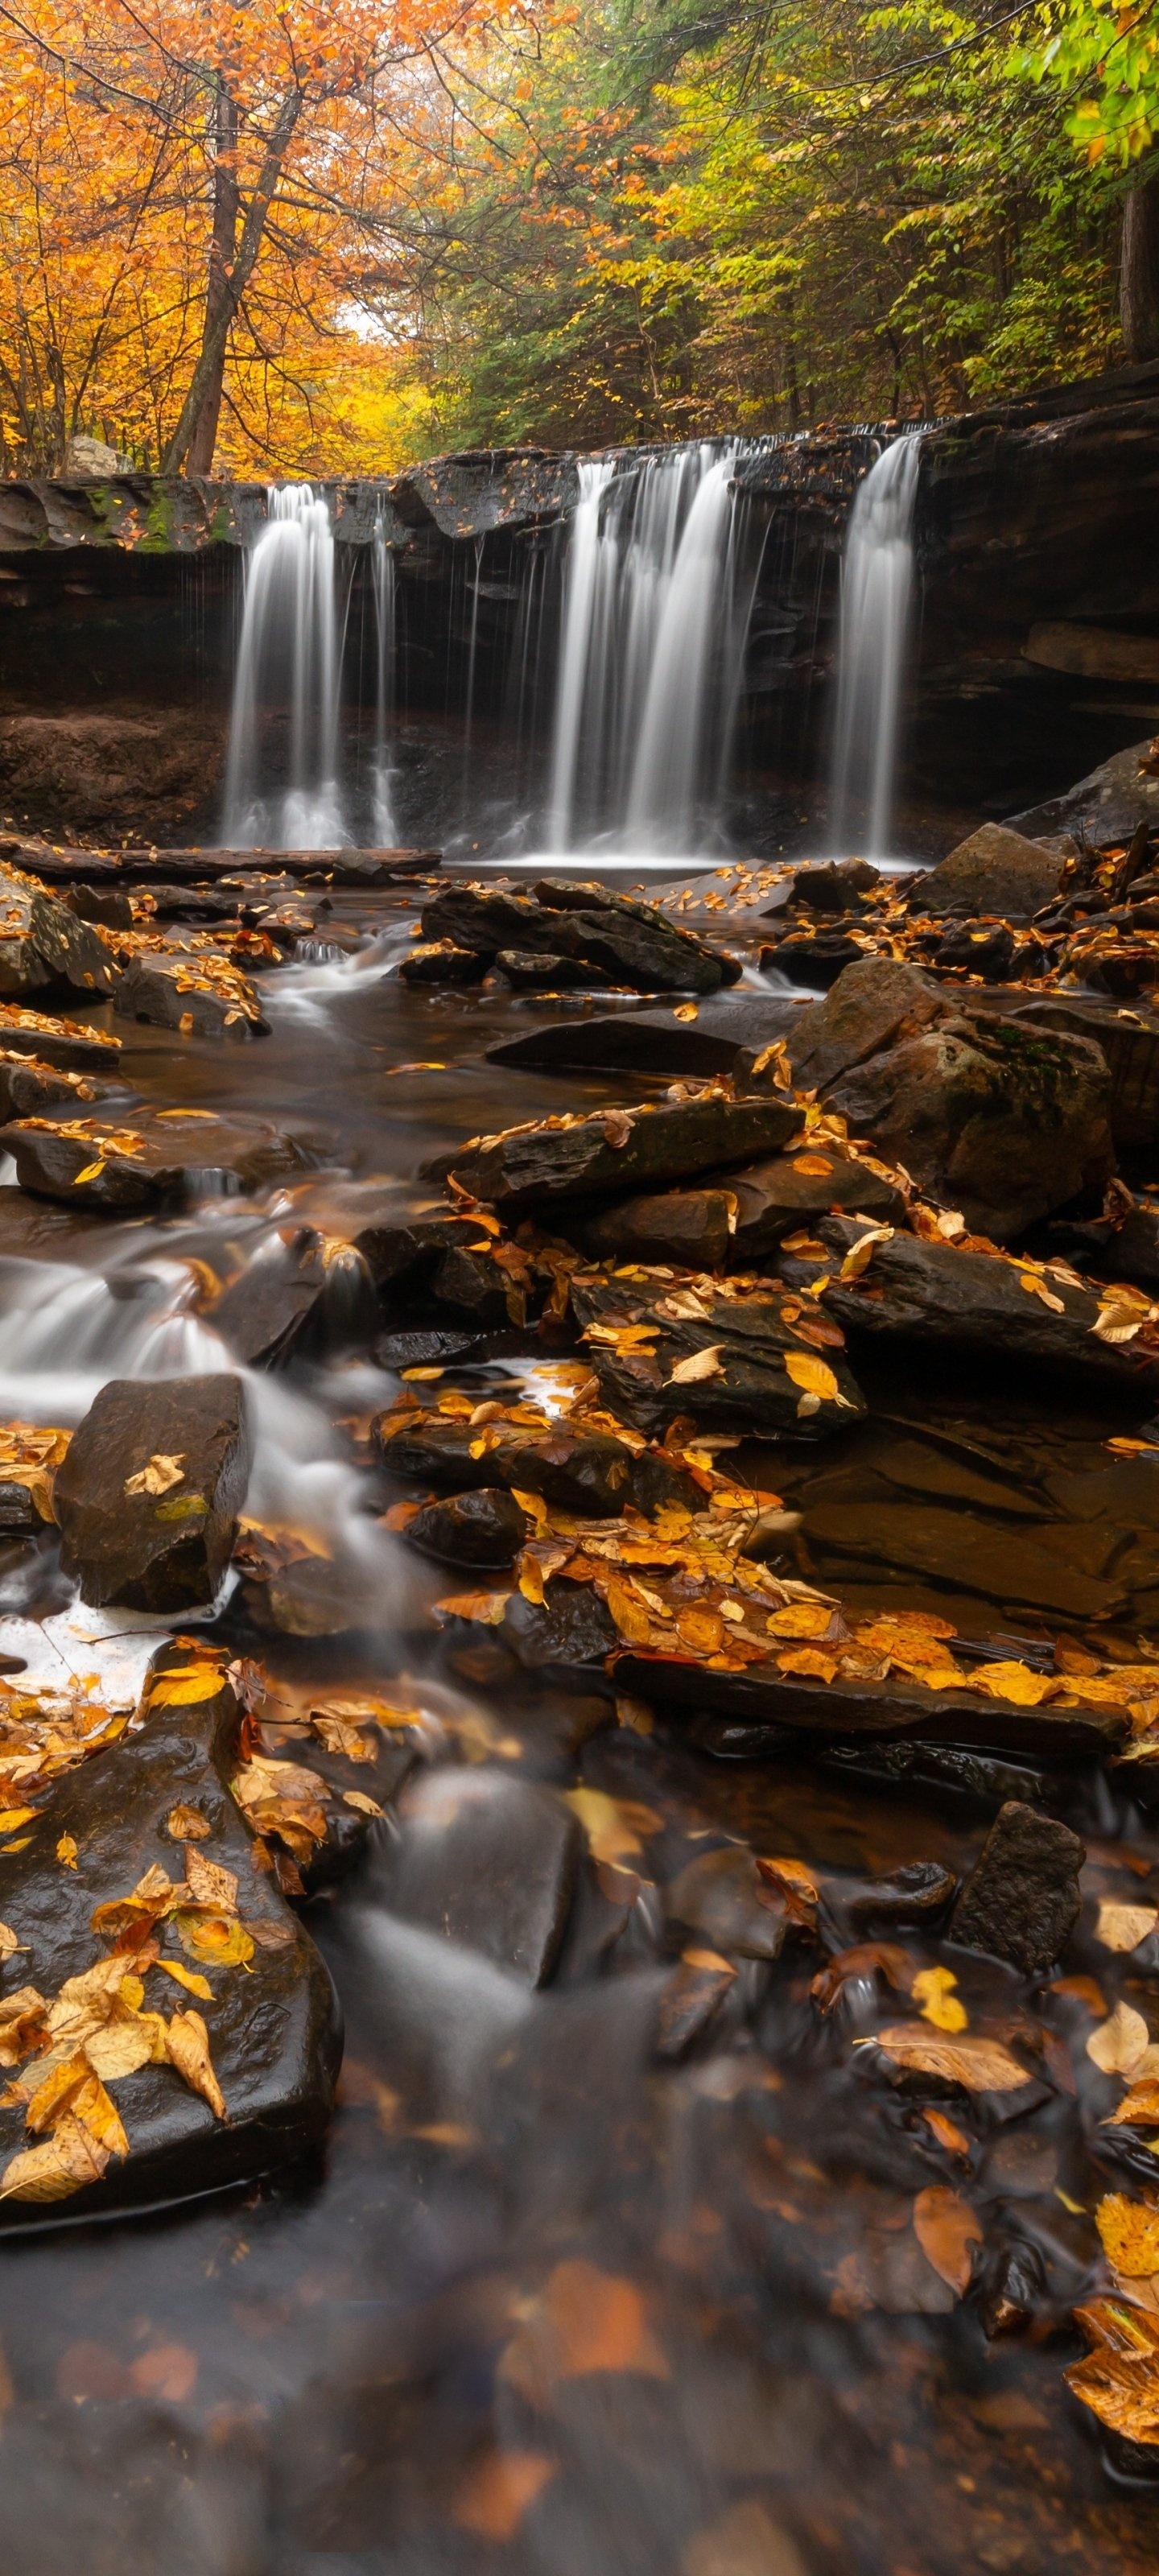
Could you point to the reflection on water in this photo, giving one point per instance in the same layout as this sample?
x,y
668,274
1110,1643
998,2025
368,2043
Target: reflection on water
x,y
552,2300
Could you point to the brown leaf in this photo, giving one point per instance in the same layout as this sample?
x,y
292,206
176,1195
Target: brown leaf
x,y
586,2321
209,1883
699,1364
1122,2044
1122,1927
981,2065
495,2496
947,2229
867,1959
187,1825
1123,2393
159,1476
188,2041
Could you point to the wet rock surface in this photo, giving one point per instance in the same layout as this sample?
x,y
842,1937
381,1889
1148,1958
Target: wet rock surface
x,y
44,948
869,1007
149,1160
731,1364
489,1864
148,1496
1107,806
1022,1900
613,1153
625,942
995,871
727,1034
487,1527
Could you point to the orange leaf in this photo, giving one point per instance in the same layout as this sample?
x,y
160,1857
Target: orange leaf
x,y
947,2229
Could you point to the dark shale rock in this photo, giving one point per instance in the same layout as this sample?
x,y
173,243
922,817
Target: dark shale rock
x,y
44,947
1022,1900
776,1197
565,1639
729,1031
105,905
27,1087
992,1118
930,1294
996,870
274,2029
486,1527
874,1003
618,1152
628,943
163,990
1129,1042
968,1553
835,885
590,1473
908,1899
527,973
472,1284
688,1227
722,1897
750,1391
289,1297
174,1155
1129,1250
484,919
816,957
402,1246
404,1350
1107,806
490,1862
437,961
148,1550
769,1711
59,1042
992,954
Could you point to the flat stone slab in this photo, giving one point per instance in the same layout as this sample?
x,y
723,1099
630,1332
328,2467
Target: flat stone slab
x,y
731,1364
775,1197
729,1031
847,1712
932,1294
179,993
490,1863
55,1041
1107,806
973,1555
158,1157
273,2024
616,1152
148,1495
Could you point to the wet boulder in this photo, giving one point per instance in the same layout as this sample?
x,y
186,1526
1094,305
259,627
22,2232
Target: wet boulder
x,y
148,1495
293,1294
564,1640
58,1042
27,1086
626,942
195,995
161,1158
489,1863
763,1710
992,1118
527,973
1107,806
996,871
835,885
934,1295
969,1553
688,1227
44,947
616,1152
875,1002
1129,1044
730,1363
727,1034
438,961
775,1197
486,1527
1022,1900
273,2027
590,1473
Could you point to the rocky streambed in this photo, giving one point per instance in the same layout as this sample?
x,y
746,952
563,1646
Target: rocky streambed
x,y
580,1715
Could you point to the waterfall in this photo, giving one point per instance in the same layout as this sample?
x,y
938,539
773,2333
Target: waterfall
x,y
287,655
650,653
876,587
385,609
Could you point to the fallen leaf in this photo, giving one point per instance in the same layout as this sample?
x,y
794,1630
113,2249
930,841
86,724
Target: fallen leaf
x,y
486,1607
699,1364
700,1626
187,1825
613,1825
815,1166
1139,2109
187,1977
1122,2043
158,1476
947,2132
219,1939
64,2164
1123,2393
495,2496
166,2372
9,1943
66,1851
814,1376
209,1884
981,2065
1130,2233
686,1011
358,1798
800,1619
811,1661
185,1688
586,2321
947,2229
933,1989
137,2039
188,2041
866,1959
1122,1927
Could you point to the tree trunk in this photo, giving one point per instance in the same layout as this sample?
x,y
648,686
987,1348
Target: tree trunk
x,y
208,371
1139,274
226,205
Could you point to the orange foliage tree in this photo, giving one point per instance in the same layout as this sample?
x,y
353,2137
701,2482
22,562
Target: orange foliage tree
x,y
213,217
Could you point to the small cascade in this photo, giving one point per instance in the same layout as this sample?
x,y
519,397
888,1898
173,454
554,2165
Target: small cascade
x,y
385,614
876,592
650,654
288,656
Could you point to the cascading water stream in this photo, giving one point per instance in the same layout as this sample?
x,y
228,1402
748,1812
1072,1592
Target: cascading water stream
x,y
651,652
288,655
876,591
385,616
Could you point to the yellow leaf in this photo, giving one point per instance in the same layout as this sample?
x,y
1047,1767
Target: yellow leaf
x,y
933,1988
66,1851
812,1661
158,1476
686,1011
1139,2109
91,1172
11,1817
981,2065
800,1619
187,1825
1130,2233
184,1689
187,1977
209,1884
358,1798
613,1825
65,2163
699,1364
189,2051
1122,1927
9,1943
487,1607
1014,1682
1122,2044
219,1939
811,1374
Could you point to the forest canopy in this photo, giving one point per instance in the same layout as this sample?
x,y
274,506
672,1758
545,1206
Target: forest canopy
x,y
271,236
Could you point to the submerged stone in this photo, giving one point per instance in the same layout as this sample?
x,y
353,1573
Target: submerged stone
x,y
722,1897
60,1042
914,1895
486,1527
1022,1898
490,1863
148,1494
